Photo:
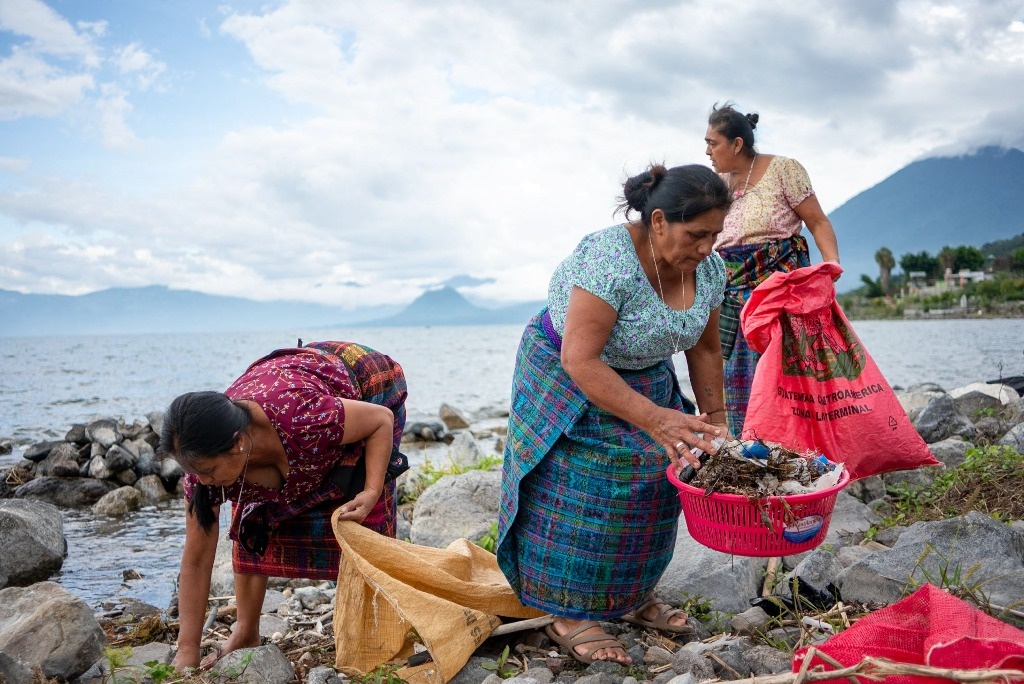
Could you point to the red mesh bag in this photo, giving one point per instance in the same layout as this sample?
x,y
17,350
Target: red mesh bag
x,y
929,627
815,386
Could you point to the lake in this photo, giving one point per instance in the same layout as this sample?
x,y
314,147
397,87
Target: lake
x,y
48,384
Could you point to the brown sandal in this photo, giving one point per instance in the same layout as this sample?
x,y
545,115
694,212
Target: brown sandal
x,y
661,619
573,638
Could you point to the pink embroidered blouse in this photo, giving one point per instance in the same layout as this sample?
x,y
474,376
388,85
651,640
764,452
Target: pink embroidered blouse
x,y
765,212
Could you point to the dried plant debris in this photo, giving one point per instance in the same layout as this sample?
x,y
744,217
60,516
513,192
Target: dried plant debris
x,y
756,469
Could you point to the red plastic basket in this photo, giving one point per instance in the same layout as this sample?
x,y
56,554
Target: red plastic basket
x,y
732,524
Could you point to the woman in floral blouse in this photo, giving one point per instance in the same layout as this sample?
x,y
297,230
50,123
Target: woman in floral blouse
x,y
302,433
588,518
772,200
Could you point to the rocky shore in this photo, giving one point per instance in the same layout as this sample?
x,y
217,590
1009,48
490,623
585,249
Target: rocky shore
x,y
750,613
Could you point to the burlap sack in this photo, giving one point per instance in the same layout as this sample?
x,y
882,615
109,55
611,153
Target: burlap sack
x,y
392,594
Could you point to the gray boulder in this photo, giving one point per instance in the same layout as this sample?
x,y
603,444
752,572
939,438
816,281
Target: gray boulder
x,y
121,457
1014,438
61,461
152,488
37,452
464,451
64,492
32,537
106,432
974,549
262,665
457,506
453,418
119,502
428,430
729,582
941,419
815,578
45,627
99,469
950,452
974,404
13,671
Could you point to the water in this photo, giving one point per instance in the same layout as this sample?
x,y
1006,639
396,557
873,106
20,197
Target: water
x,y
49,384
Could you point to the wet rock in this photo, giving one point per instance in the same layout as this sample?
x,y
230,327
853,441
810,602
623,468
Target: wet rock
x,y
119,502
431,431
32,537
76,434
64,492
105,432
152,488
121,457
45,627
61,461
98,468
37,452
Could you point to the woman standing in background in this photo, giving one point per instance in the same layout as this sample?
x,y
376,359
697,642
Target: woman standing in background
x,y
772,199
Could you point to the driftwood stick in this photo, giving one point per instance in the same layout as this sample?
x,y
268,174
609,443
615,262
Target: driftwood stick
x,y
879,668
522,625
769,575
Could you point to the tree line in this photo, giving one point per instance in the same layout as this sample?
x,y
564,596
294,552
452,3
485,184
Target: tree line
x,y
949,259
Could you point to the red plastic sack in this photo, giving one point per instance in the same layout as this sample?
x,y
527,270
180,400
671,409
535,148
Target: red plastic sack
x,y
929,627
815,386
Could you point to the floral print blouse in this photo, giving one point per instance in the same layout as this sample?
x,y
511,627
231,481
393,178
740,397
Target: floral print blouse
x,y
301,392
605,263
765,212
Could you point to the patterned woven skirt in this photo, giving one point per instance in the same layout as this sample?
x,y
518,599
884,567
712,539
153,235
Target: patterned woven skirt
x,y
588,518
747,266
302,543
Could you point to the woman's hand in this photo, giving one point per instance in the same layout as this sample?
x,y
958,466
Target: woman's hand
x,y
679,432
359,506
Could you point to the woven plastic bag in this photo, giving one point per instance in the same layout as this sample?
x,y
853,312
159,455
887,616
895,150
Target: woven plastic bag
x,y
815,386
929,627
392,595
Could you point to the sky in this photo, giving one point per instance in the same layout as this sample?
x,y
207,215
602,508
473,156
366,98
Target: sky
x,y
358,153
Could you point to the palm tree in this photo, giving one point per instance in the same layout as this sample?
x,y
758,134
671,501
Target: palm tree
x,y
886,262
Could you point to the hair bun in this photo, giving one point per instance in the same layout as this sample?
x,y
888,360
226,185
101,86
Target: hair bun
x,y
637,190
752,119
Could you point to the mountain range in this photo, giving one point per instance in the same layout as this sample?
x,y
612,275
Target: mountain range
x,y
157,309
967,200
929,204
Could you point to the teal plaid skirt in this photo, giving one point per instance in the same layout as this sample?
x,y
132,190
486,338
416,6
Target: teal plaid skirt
x,y
588,518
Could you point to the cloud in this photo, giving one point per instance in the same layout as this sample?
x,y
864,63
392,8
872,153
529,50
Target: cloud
x,y
377,152
133,61
48,32
31,87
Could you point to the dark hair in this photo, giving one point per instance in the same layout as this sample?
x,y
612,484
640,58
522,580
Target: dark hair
x,y
681,192
731,124
200,425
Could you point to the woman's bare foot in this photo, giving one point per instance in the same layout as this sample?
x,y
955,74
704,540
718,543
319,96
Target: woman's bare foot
x,y
581,644
236,641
